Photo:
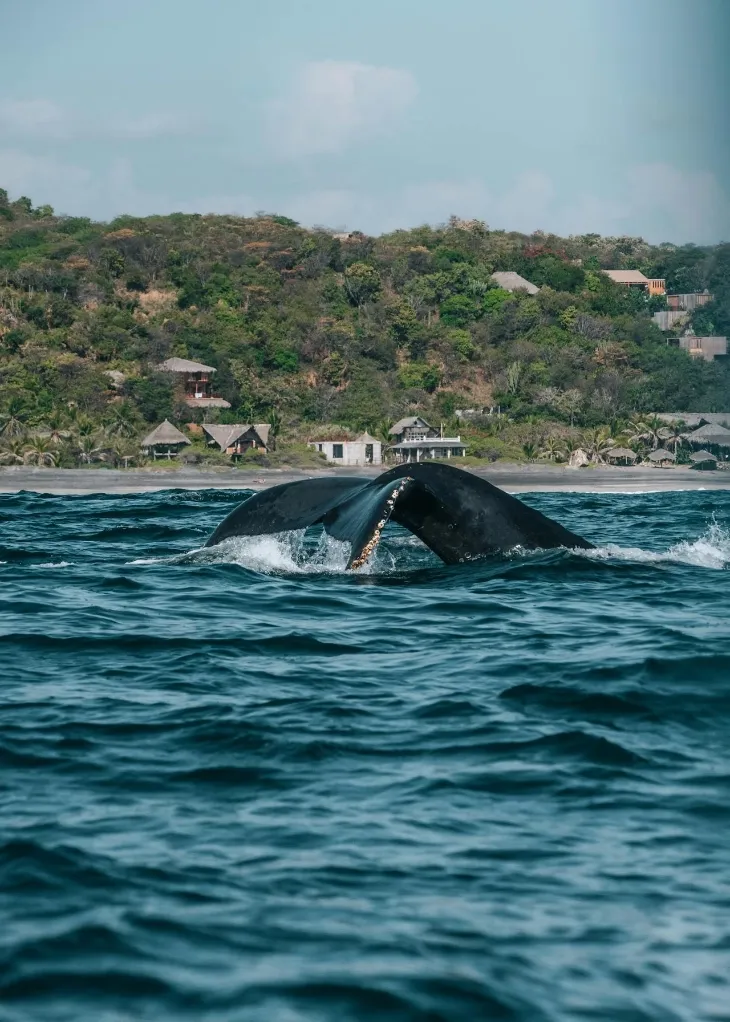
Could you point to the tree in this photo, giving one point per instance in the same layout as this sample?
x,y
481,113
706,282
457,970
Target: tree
x,y
40,453
552,449
362,283
12,451
14,420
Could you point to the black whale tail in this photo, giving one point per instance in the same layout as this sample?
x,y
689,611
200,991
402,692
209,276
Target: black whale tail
x,y
460,516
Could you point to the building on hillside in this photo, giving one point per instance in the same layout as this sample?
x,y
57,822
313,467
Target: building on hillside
x,y
197,381
707,348
412,428
365,450
432,447
635,278
689,302
703,461
662,458
165,441
508,280
667,319
621,456
239,438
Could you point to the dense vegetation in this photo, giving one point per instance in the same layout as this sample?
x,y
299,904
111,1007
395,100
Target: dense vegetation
x,y
313,331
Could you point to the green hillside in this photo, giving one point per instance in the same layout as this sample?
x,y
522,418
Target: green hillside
x,y
312,331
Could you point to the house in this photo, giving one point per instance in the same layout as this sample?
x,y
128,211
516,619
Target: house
x,y
432,447
635,278
197,382
237,439
662,458
365,450
703,461
621,456
707,348
412,428
508,280
667,319
689,302
165,441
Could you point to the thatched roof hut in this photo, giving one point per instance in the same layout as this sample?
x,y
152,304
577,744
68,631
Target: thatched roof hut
x,y
164,441
703,460
662,457
621,456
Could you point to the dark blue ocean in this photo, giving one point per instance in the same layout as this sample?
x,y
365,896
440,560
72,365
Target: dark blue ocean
x,y
242,785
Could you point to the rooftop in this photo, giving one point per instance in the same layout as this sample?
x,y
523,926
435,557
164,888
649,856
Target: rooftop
x,y
627,276
165,434
511,281
434,441
412,420
184,365
225,435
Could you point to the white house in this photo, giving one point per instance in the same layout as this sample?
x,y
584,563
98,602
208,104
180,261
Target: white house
x,y
365,450
412,428
432,447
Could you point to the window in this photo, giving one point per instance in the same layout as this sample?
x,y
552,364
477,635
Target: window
x,y
336,450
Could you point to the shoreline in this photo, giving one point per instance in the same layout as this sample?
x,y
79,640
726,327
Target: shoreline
x,y
515,478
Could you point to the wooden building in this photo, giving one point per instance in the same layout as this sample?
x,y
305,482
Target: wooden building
x,y
197,381
635,278
412,428
239,438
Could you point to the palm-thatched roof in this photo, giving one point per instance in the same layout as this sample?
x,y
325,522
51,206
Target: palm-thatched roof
x,y
661,455
365,438
710,429
184,365
226,435
621,454
165,435
701,456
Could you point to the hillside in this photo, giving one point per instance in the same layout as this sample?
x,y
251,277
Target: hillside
x,y
310,330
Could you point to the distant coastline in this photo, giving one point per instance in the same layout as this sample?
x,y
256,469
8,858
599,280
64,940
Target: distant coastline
x,y
513,477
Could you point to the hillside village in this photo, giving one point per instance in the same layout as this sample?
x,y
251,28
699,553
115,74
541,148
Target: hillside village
x,y
254,341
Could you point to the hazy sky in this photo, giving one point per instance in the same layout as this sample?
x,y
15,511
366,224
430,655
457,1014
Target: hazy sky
x,y
565,115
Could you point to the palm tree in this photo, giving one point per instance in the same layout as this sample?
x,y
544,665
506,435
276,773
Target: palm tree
x,y
274,427
12,451
13,420
123,420
673,435
552,449
56,428
85,426
529,450
40,453
88,448
596,443
654,429
125,451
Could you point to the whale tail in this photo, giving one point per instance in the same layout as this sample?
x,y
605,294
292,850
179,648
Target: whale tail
x,y
460,516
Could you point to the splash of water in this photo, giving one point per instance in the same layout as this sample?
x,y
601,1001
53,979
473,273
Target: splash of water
x,y
710,550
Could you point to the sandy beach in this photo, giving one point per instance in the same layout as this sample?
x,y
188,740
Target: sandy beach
x,y
513,477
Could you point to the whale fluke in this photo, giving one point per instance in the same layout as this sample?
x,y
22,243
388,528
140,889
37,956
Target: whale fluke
x,y
460,516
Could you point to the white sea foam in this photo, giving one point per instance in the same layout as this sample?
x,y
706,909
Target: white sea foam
x,y
711,550
54,564
284,552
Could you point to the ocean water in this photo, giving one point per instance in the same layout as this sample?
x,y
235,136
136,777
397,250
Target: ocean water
x,y
243,784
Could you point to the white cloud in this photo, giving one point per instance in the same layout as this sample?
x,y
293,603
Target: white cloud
x,y
46,179
34,117
332,103
43,119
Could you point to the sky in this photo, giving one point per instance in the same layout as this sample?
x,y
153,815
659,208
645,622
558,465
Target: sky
x,y
571,116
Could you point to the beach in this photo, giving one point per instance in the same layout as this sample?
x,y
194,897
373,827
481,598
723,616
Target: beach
x,y
534,478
